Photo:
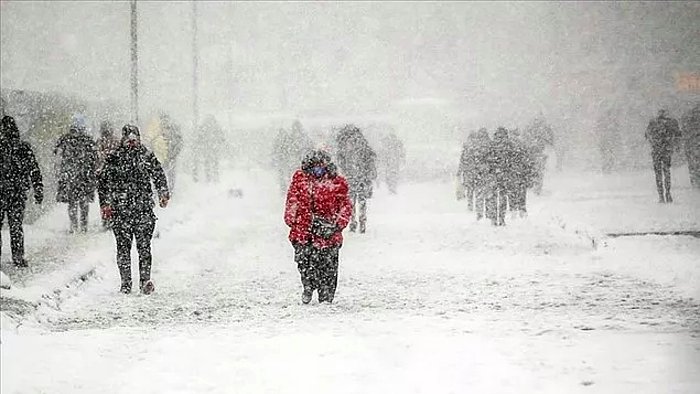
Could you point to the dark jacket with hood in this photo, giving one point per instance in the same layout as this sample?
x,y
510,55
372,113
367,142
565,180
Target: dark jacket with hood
x,y
125,182
19,169
77,177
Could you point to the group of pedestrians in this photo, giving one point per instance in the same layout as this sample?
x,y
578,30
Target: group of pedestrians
x,y
495,173
666,136
122,171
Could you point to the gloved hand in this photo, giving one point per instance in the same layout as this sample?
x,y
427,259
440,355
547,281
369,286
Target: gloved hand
x,y
38,197
106,212
164,201
323,228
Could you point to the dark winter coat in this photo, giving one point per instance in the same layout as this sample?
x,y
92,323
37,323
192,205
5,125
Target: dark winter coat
x,y
482,158
357,161
125,183
77,177
663,134
19,169
326,198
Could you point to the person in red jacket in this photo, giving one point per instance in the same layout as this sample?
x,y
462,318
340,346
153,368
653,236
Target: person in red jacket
x,y
318,208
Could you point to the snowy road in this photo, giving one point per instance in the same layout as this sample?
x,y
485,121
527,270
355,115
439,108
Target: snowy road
x,y
428,301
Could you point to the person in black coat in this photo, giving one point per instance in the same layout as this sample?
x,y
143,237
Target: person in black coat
x,y
77,177
663,133
19,171
499,160
357,161
127,200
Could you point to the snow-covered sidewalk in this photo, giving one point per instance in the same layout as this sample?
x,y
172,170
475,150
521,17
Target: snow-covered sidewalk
x,y
429,301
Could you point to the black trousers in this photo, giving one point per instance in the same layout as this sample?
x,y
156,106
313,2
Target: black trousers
x,y
662,173
496,205
80,205
126,231
12,207
359,211
517,198
318,269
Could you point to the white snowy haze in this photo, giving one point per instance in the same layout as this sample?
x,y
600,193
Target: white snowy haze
x,y
433,70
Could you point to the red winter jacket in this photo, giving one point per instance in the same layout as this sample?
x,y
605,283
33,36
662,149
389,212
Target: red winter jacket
x,y
329,197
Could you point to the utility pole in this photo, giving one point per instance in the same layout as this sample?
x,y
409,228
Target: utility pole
x,y
134,66
195,64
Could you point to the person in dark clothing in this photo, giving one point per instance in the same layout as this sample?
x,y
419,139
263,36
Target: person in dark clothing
x,y
663,134
289,148
106,145
357,161
173,141
208,149
393,156
521,174
19,171
317,210
499,159
691,143
77,177
537,136
483,177
466,173
608,133
127,200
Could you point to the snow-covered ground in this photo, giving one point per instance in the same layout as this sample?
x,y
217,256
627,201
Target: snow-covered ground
x,y
428,301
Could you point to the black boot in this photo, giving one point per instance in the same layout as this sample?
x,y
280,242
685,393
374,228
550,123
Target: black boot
x,y
306,295
125,274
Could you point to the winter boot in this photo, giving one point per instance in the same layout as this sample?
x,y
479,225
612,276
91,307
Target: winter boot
x,y
147,287
668,197
20,263
363,227
125,287
306,295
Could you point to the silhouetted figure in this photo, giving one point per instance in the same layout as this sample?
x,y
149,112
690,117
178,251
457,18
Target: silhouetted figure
x,y
357,161
393,157
208,145
289,149
537,136
663,134
19,171
77,177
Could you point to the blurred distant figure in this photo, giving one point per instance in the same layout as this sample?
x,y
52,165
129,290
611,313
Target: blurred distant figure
x,y
208,145
466,172
106,145
691,143
482,176
537,136
663,134
19,171
608,135
521,174
289,148
393,157
357,161
172,137
77,177
501,157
